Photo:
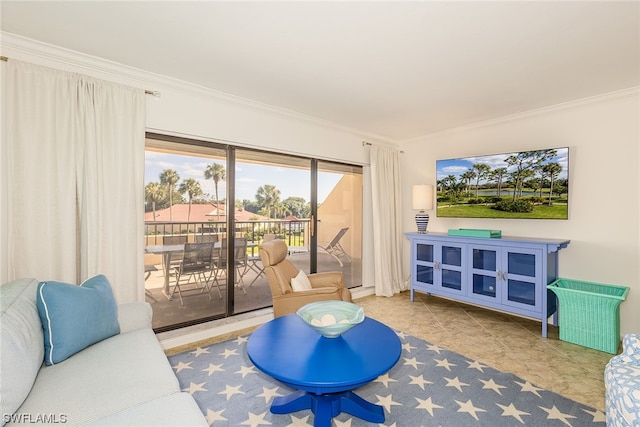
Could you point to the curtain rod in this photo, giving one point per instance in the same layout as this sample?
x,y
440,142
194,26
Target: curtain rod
x,y
368,143
146,91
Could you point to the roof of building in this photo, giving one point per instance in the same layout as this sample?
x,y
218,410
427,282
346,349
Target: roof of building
x,y
199,213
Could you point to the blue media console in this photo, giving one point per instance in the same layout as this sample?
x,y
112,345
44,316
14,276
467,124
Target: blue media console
x,y
510,274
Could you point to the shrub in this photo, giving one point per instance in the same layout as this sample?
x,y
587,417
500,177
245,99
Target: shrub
x,y
514,206
536,199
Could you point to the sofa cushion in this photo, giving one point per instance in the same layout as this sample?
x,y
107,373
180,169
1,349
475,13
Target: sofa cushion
x,y
114,375
22,349
178,409
75,317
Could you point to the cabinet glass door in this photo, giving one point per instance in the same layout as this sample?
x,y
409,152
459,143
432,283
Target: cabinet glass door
x,y
520,268
484,272
424,263
451,267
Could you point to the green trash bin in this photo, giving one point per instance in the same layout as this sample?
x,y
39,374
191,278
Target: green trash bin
x,y
589,313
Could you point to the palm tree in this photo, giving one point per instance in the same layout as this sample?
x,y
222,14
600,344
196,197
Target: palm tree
x,y
169,178
467,177
154,192
281,210
192,188
453,187
217,173
268,196
295,206
481,171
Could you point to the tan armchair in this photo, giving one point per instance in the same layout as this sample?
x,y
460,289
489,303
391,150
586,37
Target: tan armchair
x,y
279,271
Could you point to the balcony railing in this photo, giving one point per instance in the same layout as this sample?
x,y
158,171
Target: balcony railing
x,y
294,233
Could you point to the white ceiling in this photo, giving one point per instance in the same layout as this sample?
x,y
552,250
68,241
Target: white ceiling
x,y
395,69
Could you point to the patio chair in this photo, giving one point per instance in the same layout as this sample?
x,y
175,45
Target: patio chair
x,y
170,241
206,238
253,260
335,249
195,264
148,269
239,263
174,240
280,271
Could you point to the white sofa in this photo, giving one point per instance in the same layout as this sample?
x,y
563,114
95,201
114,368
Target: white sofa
x,y
124,380
622,383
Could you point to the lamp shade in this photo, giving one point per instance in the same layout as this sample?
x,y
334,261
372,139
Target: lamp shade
x,y
422,197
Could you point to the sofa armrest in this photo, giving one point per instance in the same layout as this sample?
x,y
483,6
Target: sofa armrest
x,y
332,279
630,350
134,315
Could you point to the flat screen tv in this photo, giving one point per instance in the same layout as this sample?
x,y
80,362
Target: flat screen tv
x,y
526,184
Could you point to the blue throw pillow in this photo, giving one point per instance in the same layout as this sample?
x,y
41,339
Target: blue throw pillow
x,y
75,317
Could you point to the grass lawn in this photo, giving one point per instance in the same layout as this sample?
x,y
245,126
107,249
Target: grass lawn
x,y
557,211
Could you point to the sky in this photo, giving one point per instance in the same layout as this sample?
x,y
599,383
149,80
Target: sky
x,y
249,176
457,167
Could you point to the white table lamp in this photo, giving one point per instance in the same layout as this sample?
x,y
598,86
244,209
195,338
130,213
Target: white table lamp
x,y
422,200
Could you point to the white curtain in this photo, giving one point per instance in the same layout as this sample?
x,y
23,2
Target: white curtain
x,y
387,220
75,165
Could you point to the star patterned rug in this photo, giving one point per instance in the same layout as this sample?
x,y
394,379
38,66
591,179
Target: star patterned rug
x,y
429,386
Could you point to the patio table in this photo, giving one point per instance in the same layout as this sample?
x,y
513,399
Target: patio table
x,y
166,251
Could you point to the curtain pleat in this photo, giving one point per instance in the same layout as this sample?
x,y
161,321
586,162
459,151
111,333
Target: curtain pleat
x,y
76,170
387,220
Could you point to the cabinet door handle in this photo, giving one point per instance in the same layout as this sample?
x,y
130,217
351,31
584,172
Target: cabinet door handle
x,y
504,276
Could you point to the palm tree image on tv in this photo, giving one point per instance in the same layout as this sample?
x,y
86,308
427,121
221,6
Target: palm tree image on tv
x,y
527,184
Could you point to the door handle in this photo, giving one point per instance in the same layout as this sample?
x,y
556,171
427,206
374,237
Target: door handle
x,y
312,226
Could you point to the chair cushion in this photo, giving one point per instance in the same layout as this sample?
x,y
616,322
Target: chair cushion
x,y
301,282
75,317
22,349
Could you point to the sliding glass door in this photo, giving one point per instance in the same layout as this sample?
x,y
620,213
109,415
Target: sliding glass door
x,y
339,225
272,191
185,194
200,193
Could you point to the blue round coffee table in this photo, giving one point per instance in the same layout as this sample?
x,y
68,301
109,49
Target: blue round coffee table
x,y
324,370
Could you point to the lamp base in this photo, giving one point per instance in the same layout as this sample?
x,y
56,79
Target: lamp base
x,y
422,219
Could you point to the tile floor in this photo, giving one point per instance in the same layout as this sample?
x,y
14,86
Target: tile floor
x,y
505,342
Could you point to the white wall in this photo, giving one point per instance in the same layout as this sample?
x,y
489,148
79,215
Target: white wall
x,y
602,134
191,111
604,158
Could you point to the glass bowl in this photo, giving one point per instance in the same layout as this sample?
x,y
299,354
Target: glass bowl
x,y
331,318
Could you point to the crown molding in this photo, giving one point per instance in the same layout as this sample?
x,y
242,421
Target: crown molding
x,y
23,48
622,93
